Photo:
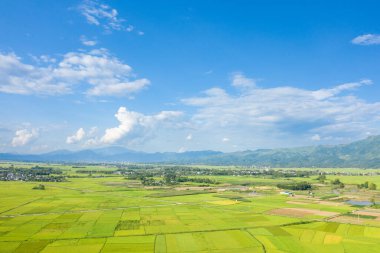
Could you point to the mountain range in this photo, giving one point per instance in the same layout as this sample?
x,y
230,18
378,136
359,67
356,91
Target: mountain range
x,y
360,154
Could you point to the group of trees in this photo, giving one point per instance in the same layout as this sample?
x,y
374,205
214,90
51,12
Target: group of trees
x,y
367,185
337,183
166,177
295,186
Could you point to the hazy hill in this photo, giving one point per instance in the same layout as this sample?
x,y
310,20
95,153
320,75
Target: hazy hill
x,y
364,153
109,154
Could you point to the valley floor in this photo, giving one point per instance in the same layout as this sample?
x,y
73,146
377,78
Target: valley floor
x,y
112,214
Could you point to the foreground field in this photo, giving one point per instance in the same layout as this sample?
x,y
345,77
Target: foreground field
x,y
112,214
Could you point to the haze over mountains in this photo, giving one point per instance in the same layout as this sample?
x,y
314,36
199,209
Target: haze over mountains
x,y
361,154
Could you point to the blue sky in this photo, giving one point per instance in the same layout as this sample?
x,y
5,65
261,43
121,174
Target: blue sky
x,y
187,75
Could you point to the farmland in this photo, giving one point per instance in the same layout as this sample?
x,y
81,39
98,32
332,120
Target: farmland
x,y
115,212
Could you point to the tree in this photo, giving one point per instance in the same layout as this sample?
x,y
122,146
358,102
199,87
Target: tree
x,y
321,178
170,178
337,183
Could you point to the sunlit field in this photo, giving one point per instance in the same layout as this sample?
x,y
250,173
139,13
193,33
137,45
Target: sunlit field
x,y
111,213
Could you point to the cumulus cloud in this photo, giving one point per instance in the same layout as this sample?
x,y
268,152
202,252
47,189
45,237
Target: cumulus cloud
x,y
77,137
129,120
287,114
97,71
23,137
367,39
103,15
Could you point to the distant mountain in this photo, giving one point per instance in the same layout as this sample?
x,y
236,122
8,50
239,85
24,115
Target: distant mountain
x,y
110,154
361,154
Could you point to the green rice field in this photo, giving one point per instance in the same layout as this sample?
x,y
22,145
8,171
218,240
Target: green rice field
x,y
113,214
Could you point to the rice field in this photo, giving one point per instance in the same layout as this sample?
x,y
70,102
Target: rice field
x,y
112,214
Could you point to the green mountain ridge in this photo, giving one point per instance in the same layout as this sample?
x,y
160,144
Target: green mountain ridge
x,y
361,154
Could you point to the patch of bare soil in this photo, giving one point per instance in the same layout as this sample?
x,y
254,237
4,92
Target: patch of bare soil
x,y
330,203
369,212
300,212
348,219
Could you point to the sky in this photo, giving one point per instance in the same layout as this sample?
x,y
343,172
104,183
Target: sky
x,y
159,76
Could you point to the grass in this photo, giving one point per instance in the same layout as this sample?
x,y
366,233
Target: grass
x,y
176,193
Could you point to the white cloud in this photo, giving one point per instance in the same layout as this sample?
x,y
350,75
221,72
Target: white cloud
x,y
100,14
87,42
241,81
189,137
225,139
23,137
96,70
20,78
43,59
77,137
129,120
316,137
269,117
119,89
130,28
93,131
327,93
367,39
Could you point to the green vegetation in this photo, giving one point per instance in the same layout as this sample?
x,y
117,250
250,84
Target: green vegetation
x,y
39,187
104,208
322,178
367,185
337,183
295,186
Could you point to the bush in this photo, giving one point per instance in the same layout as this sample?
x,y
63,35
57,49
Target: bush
x,y
39,187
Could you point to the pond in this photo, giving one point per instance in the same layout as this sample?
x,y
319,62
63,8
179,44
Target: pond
x,y
359,202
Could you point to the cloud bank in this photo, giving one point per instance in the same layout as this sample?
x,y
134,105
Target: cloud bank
x,y
257,117
98,72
